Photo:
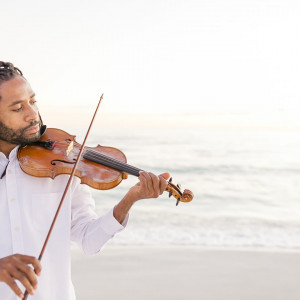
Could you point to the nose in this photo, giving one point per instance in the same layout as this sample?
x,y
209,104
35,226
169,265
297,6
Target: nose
x,y
32,113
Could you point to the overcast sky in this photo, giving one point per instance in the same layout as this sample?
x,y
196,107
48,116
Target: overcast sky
x,y
157,56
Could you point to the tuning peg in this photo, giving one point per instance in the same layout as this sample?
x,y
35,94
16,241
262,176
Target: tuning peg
x,y
179,186
178,200
170,180
170,194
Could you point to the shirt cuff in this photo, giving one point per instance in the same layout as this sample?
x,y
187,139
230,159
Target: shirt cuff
x,y
110,224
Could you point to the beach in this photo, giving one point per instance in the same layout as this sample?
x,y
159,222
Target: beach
x,y
186,272
237,240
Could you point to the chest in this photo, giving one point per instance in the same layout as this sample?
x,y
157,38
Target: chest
x,y
27,207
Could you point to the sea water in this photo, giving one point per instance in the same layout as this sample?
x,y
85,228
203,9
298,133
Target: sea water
x,y
246,187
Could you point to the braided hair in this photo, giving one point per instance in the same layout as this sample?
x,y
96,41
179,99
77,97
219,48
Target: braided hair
x,y
8,71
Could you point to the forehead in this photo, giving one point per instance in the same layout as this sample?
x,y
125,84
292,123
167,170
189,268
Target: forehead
x,y
15,89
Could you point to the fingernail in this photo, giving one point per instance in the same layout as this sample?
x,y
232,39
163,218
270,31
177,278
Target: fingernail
x,y
32,292
21,296
35,287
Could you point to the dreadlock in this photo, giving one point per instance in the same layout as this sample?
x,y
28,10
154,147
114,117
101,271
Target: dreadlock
x,y
8,71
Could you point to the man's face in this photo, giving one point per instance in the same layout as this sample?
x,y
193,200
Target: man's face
x,y
19,118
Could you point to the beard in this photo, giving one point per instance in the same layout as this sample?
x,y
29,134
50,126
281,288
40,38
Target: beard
x,y
18,137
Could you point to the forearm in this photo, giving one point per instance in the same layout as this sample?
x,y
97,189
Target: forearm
x,y
121,210
149,186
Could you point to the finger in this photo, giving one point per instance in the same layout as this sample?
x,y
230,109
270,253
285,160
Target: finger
x,y
23,279
33,261
145,181
12,284
165,175
155,185
29,274
162,184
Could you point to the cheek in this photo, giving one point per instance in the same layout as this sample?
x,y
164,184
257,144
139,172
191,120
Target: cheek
x,y
11,120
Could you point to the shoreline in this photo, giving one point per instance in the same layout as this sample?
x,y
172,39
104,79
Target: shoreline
x,y
78,252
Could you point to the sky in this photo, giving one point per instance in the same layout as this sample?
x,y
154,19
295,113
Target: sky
x,y
218,59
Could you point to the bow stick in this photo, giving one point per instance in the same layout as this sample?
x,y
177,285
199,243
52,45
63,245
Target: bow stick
x,y
65,191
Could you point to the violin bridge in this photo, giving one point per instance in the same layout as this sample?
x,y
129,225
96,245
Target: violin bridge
x,y
70,148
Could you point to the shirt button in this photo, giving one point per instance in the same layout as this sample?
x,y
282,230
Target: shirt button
x,y
12,200
16,229
9,172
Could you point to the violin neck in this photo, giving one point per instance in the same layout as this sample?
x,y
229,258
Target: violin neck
x,y
105,160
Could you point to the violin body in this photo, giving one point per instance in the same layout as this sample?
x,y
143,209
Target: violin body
x,y
41,162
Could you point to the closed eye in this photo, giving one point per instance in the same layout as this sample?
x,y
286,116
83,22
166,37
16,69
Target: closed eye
x,y
18,109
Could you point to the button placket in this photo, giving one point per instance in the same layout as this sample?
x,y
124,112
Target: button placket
x,y
14,209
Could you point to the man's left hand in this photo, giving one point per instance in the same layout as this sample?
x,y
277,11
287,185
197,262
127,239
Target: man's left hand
x,y
149,186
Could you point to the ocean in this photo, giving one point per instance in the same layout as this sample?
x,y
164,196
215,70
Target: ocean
x,y
246,187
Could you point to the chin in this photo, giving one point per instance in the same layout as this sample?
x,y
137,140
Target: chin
x,y
32,138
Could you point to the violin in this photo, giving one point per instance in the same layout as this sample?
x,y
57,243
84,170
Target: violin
x,y
99,167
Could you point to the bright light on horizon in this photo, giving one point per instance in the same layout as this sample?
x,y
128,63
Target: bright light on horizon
x,y
78,118
172,57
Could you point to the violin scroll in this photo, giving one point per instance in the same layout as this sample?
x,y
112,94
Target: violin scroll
x,y
175,191
187,196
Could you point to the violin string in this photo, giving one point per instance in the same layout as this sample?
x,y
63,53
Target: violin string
x,y
101,158
113,162
110,162
107,158
106,161
97,157
111,159
94,154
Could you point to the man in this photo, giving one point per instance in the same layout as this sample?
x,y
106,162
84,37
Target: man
x,y
28,204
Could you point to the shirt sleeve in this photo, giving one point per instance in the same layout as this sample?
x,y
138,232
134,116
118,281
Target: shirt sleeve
x,y
88,230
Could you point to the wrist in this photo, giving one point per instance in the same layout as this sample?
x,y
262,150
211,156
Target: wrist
x,y
121,210
131,197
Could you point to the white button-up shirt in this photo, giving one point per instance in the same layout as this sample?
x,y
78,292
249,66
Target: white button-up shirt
x,y
27,208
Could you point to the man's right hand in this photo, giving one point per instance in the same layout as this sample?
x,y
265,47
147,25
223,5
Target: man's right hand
x,y
16,267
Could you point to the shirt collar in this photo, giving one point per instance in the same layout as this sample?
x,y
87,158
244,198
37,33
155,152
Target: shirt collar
x,y
4,160
12,155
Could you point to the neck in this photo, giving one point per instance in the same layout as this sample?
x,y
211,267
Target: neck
x,y
6,148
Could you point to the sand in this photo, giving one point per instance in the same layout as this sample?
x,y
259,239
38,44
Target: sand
x,y
179,272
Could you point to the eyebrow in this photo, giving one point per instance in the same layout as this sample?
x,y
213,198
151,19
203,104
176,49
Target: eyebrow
x,y
20,101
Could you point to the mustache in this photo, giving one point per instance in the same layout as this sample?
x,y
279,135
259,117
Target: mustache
x,y
32,124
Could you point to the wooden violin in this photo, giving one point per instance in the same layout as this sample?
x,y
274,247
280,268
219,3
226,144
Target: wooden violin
x,y
99,167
